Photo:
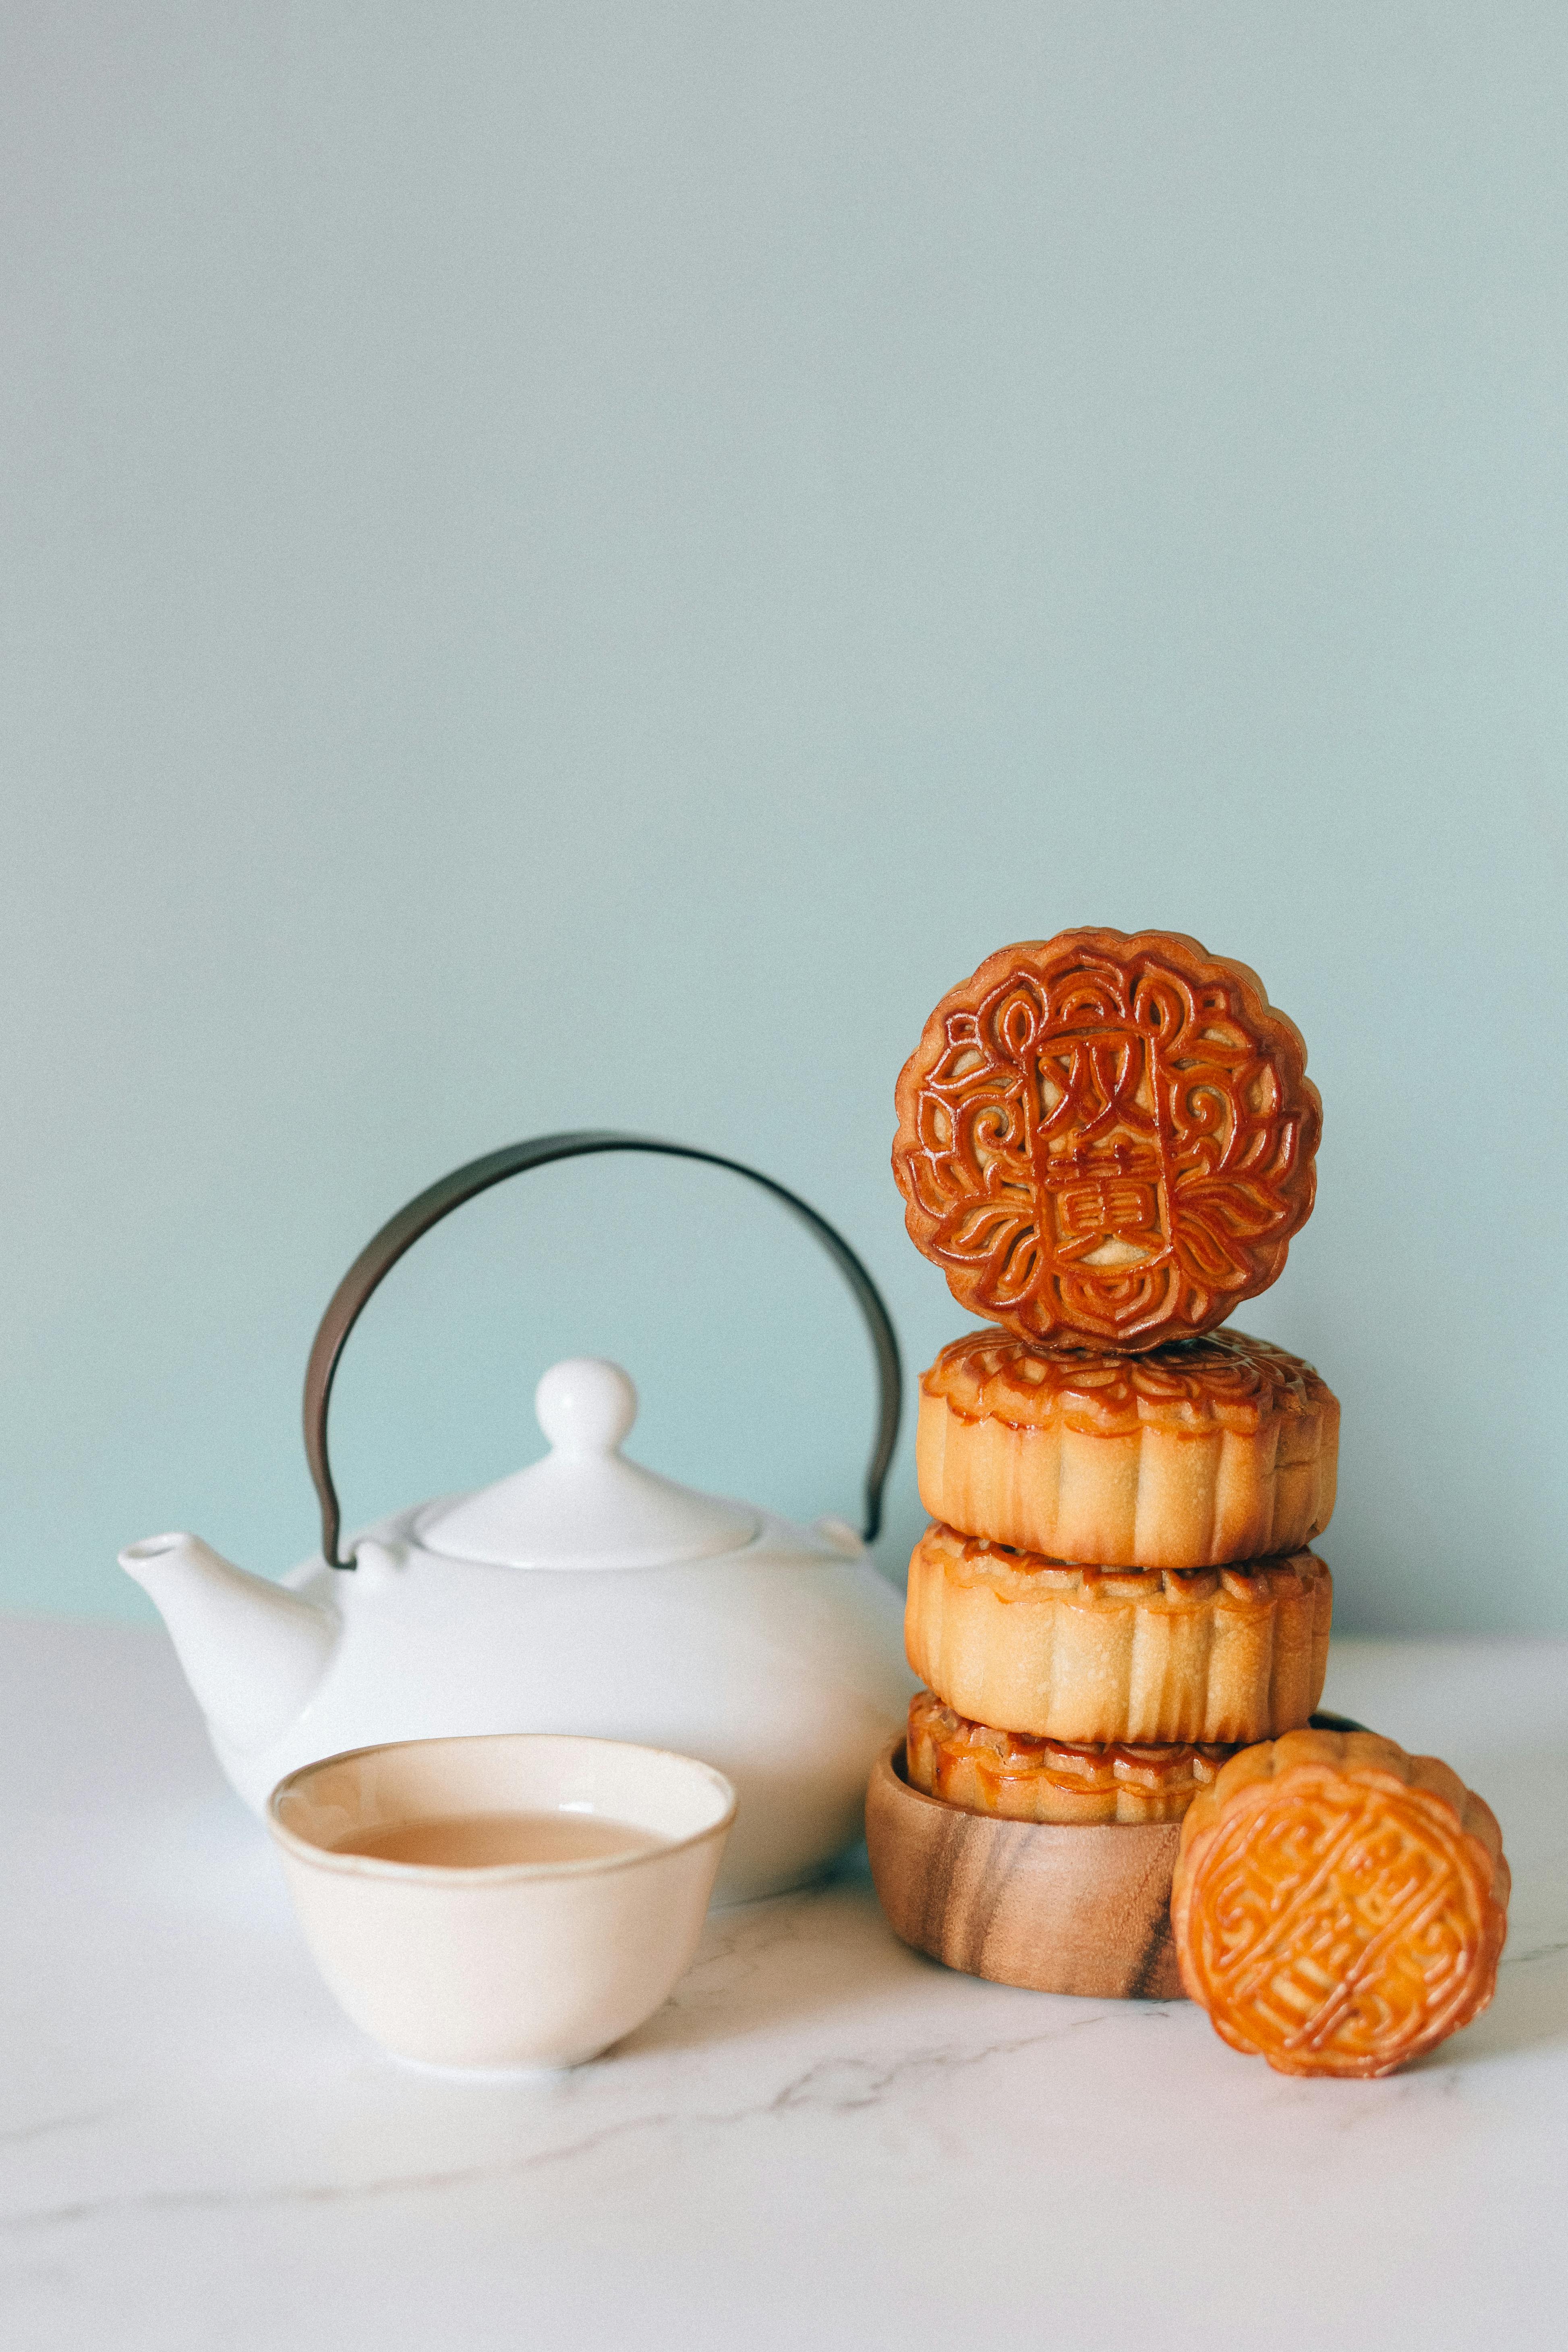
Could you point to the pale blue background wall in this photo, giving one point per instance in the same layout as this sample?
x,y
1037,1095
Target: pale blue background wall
x,y
580,563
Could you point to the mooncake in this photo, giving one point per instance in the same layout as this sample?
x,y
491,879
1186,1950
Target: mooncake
x,y
1096,1655
1337,1905
1106,1140
1197,1453
1016,1778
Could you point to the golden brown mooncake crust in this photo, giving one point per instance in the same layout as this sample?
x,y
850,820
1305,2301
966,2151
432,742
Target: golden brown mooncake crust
x,y
1016,1778
1194,1454
1337,1905
1107,1139
1092,1655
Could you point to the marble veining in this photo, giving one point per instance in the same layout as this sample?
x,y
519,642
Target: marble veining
x,y
821,2138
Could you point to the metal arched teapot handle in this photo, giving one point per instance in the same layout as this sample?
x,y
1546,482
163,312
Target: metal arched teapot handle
x,y
400,1234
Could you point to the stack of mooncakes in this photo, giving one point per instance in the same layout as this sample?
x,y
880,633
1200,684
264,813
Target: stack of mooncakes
x,y
1106,1144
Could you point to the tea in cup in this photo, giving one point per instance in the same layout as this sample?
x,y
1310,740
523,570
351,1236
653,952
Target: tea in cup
x,y
520,1899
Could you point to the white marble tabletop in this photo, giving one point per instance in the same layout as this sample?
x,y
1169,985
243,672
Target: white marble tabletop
x,y
821,2140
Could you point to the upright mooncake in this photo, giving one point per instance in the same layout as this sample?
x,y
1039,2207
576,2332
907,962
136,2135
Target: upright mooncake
x,y
1337,1905
1107,1140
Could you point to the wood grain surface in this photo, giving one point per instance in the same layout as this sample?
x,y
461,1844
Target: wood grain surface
x,y
1025,1903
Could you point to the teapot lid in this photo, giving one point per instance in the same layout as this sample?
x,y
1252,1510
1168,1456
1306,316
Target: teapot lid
x,y
582,1505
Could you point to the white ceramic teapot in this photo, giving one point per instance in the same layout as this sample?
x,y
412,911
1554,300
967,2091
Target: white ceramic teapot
x,y
584,1594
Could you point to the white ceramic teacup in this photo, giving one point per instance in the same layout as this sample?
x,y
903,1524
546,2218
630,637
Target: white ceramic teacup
x,y
521,1964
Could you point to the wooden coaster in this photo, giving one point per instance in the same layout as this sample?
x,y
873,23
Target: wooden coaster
x,y
1025,1903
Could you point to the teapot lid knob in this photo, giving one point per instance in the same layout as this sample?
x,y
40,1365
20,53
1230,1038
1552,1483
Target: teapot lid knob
x,y
585,1505
585,1406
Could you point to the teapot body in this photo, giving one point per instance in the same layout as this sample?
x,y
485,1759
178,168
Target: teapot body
x,y
781,1662
582,1594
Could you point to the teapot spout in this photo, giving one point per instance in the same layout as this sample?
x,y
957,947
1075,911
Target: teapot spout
x,y
253,1651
